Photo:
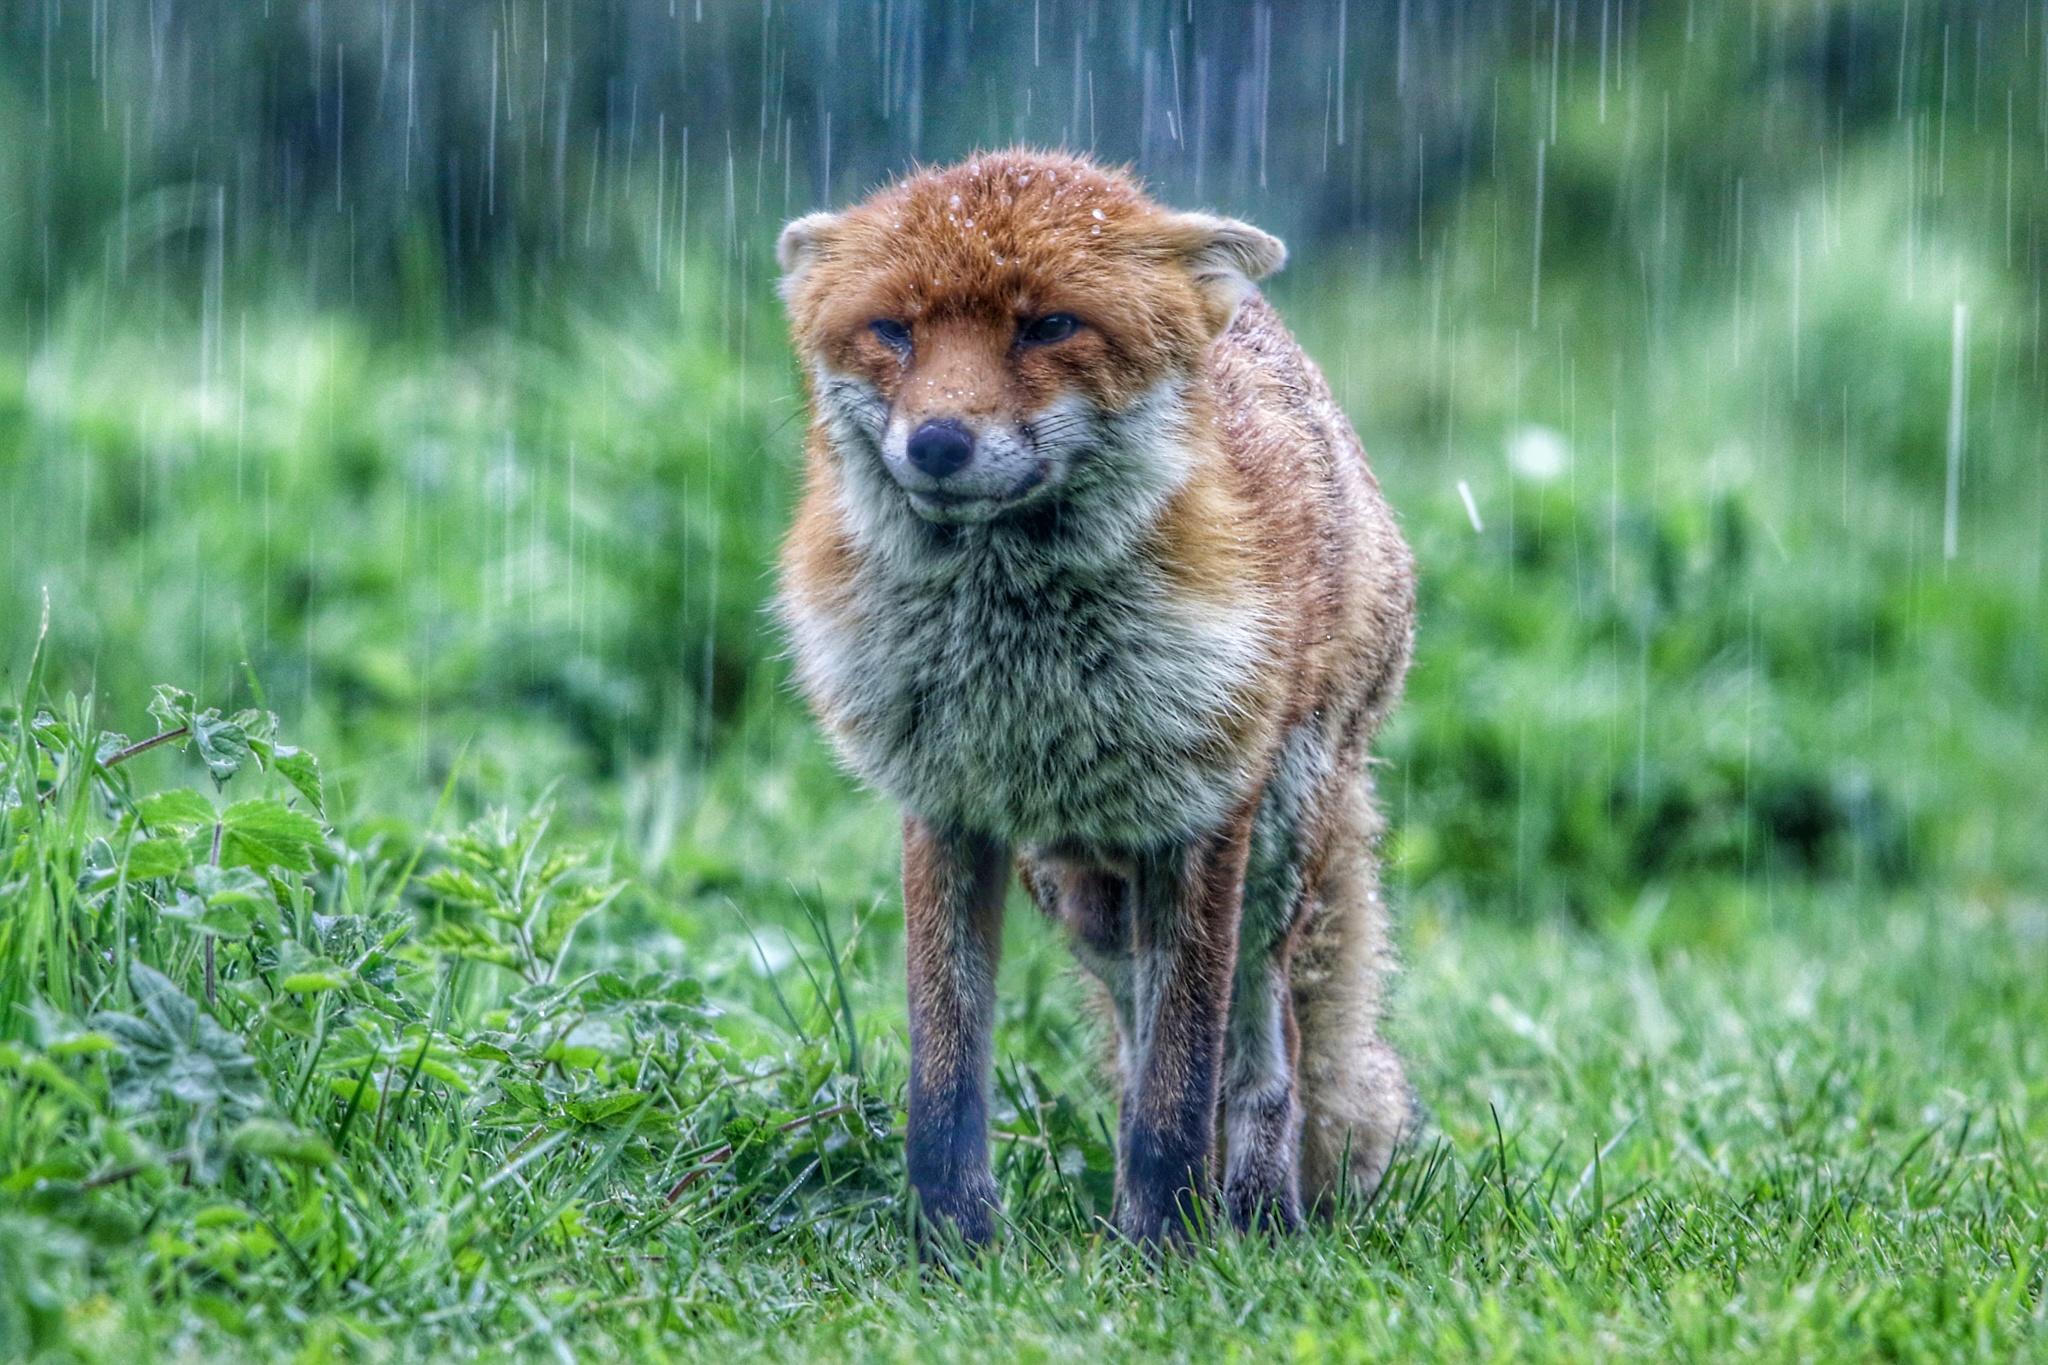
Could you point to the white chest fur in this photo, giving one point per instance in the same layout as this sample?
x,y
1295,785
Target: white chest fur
x,y
1046,686
1042,701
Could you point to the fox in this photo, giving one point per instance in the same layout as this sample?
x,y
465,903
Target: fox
x,y
1089,574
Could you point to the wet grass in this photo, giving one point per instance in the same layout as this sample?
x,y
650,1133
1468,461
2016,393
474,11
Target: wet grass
x,y
562,1015
368,1091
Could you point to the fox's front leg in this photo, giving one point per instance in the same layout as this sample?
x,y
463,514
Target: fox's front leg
x,y
1185,905
953,885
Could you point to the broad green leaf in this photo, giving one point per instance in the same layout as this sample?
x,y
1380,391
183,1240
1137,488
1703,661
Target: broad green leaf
x,y
80,1044
221,1215
179,811
234,886
435,1069
148,858
523,1093
226,902
302,770
600,1108
263,833
173,1051
222,921
573,1055
172,706
223,744
163,1004
332,979
256,726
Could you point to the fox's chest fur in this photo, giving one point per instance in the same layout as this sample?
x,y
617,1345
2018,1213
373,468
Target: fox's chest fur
x,y
995,687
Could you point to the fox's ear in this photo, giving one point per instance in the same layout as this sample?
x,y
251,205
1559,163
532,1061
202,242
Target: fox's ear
x,y
800,244
1226,257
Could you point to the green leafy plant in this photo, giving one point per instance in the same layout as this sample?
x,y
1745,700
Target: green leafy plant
x,y
258,1012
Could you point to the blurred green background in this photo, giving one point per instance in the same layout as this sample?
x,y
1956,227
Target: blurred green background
x,y
413,369
418,367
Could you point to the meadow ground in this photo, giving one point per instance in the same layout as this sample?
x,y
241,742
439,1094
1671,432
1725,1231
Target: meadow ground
x,y
555,1009
673,1125
551,1017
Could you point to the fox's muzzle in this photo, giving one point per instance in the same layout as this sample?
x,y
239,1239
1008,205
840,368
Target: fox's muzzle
x,y
940,448
953,472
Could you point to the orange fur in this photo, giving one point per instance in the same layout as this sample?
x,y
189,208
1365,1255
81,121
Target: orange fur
x,y
1150,664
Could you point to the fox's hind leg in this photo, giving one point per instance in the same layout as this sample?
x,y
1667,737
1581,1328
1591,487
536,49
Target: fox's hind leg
x,y
1094,907
1262,1112
1356,1101
1261,1116
1261,1106
1314,1100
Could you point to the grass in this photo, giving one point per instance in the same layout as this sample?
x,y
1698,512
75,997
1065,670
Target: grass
x,y
416,1130
554,1010
1714,852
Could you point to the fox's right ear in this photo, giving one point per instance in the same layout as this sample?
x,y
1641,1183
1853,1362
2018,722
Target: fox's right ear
x,y
1226,257
800,245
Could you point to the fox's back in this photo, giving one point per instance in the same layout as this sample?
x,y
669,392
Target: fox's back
x,y
1345,590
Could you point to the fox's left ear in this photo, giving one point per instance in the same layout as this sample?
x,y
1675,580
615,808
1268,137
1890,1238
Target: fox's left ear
x,y
1226,257
800,245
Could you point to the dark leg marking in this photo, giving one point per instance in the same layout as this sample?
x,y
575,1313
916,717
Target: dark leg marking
x,y
1185,904
952,905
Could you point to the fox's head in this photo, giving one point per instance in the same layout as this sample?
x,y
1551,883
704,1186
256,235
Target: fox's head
x,y
1012,331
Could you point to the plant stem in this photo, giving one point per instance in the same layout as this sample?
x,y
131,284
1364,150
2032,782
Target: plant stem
x,y
143,746
120,756
212,860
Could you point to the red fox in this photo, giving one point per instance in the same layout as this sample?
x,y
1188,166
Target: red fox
x,y
1090,574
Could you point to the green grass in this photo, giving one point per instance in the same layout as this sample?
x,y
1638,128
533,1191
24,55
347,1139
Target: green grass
x,y
1715,808
415,1131
1714,852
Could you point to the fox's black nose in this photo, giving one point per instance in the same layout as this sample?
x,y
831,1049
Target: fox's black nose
x,y
941,447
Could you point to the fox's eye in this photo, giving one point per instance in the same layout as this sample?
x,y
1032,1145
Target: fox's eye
x,y
891,331
1048,329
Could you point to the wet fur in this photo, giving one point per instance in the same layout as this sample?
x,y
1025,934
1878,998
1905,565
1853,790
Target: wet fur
x,y
1153,682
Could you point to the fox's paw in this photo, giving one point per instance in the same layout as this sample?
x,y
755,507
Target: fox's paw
x,y
1153,1227
1262,1184
965,1214
1259,1205
1166,1215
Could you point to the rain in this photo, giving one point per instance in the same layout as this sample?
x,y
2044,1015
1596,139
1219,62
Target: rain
x,y
408,384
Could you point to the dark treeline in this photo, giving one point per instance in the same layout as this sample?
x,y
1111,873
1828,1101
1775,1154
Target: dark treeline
x,y
470,147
